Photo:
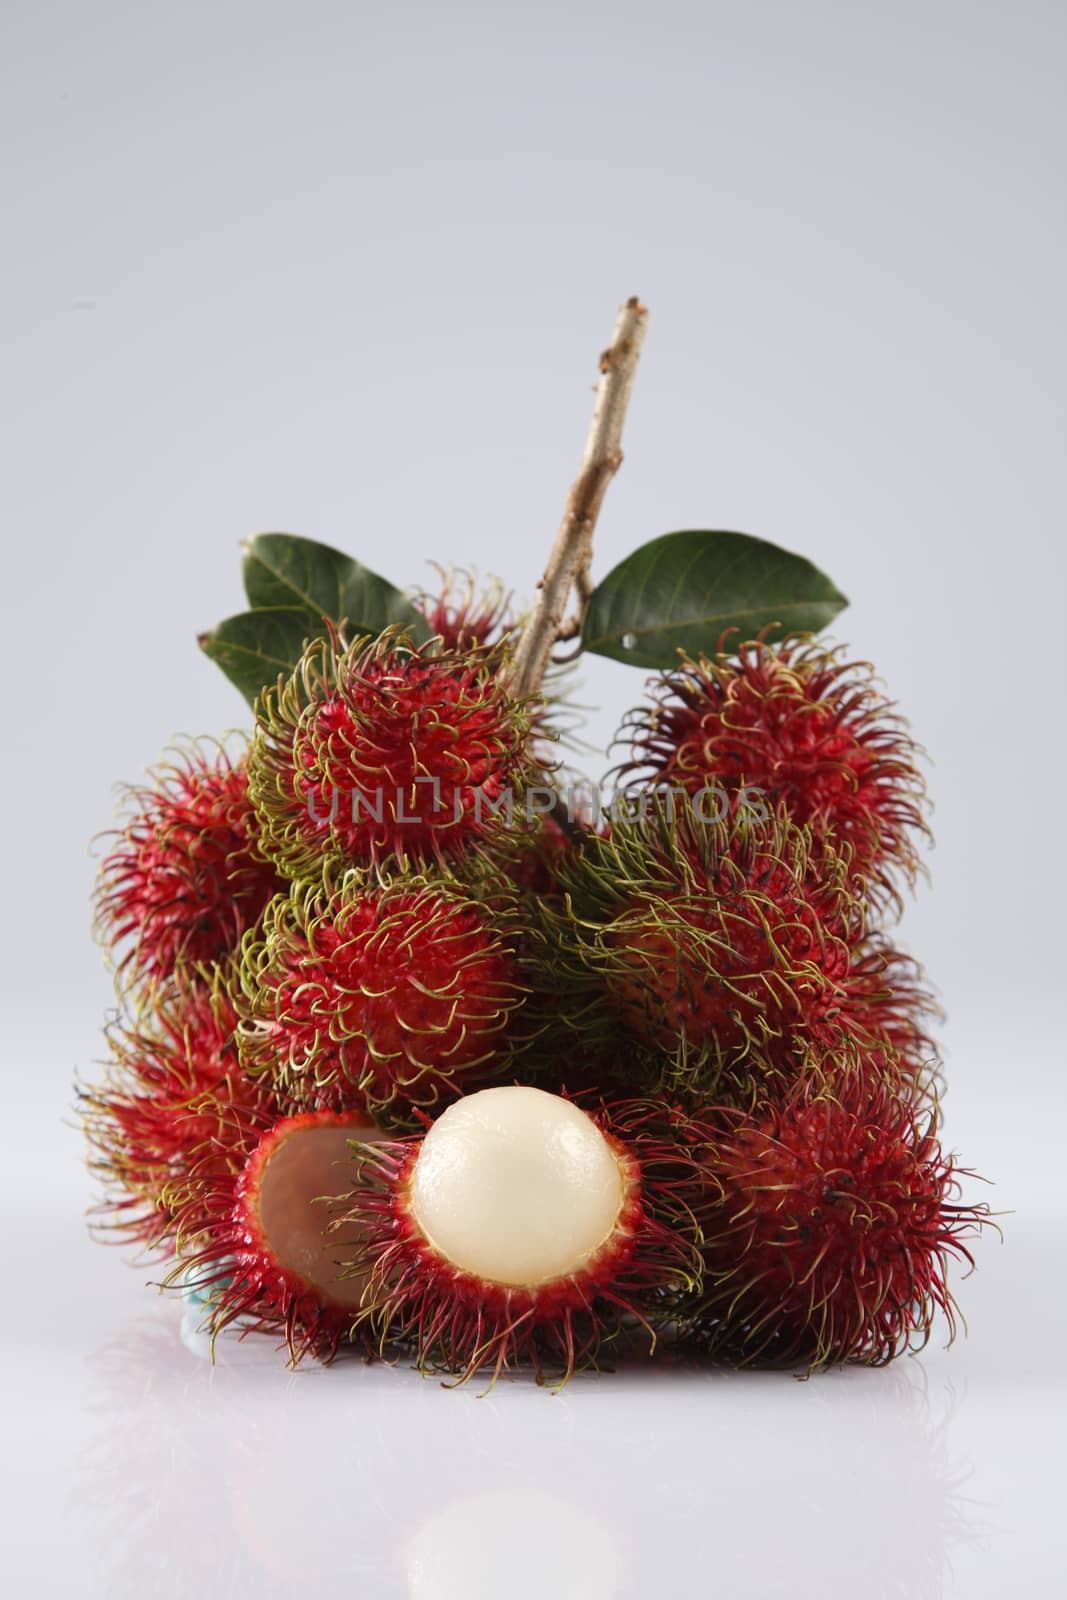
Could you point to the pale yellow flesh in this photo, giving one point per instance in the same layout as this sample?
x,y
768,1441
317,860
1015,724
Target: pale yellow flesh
x,y
309,1163
516,1186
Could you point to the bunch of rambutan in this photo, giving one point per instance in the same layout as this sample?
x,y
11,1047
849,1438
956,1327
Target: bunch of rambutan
x,y
416,1056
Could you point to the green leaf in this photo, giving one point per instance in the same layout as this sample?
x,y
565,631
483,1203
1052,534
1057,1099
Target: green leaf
x,y
281,569
683,591
253,647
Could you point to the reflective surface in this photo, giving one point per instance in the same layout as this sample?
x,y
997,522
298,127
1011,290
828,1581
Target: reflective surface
x,y
137,1468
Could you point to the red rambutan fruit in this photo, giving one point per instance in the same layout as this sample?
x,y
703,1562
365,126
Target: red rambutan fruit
x,y
521,1228
539,853
461,617
383,996
835,1221
811,732
713,936
185,877
173,1100
384,749
271,1257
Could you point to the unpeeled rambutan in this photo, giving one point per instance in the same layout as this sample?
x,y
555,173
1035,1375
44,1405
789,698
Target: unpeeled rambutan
x,y
723,951
810,731
521,1227
381,995
460,616
835,1221
386,749
173,1099
266,1248
185,876
712,936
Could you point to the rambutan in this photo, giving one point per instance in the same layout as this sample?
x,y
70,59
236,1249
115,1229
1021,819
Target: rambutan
x,y
380,995
715,937
185,876
835,1221
539,852
173,1100
385,749
809,731
460,616
521,1227
271,1258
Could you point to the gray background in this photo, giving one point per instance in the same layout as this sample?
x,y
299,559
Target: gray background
x,y
345,271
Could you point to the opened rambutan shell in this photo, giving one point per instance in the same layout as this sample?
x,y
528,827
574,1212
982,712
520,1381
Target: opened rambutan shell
x,y
184,877
522,1229
381,995
385,749
272,1258
811,732
835,1221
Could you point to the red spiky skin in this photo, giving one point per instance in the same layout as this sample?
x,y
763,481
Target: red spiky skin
x,y
462,618
385,998
385,750
462,1324
541,853
764,963
185,878
809,730
175,1098
231,1261
835,1226
726,951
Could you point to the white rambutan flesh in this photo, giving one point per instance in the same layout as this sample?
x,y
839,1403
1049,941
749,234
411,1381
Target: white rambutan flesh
x,y
516,1187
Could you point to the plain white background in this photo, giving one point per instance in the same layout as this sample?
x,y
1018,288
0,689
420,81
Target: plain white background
x,y
345,271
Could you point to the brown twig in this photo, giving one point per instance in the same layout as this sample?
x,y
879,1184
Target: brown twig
x,y
568,564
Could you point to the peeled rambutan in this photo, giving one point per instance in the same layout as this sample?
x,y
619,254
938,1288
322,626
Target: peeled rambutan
x,y
835,1219
522,1228
272,1255
810,731
380,995
174,1098
185,876
385,749
460,616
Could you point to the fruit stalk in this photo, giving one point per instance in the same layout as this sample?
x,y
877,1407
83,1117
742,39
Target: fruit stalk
x,y
568,564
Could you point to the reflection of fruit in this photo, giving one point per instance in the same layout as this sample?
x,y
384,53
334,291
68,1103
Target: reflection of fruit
x,y
241,1478
184,878
467,1551
384,749
812,732
386,995
836,1225
521,1228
